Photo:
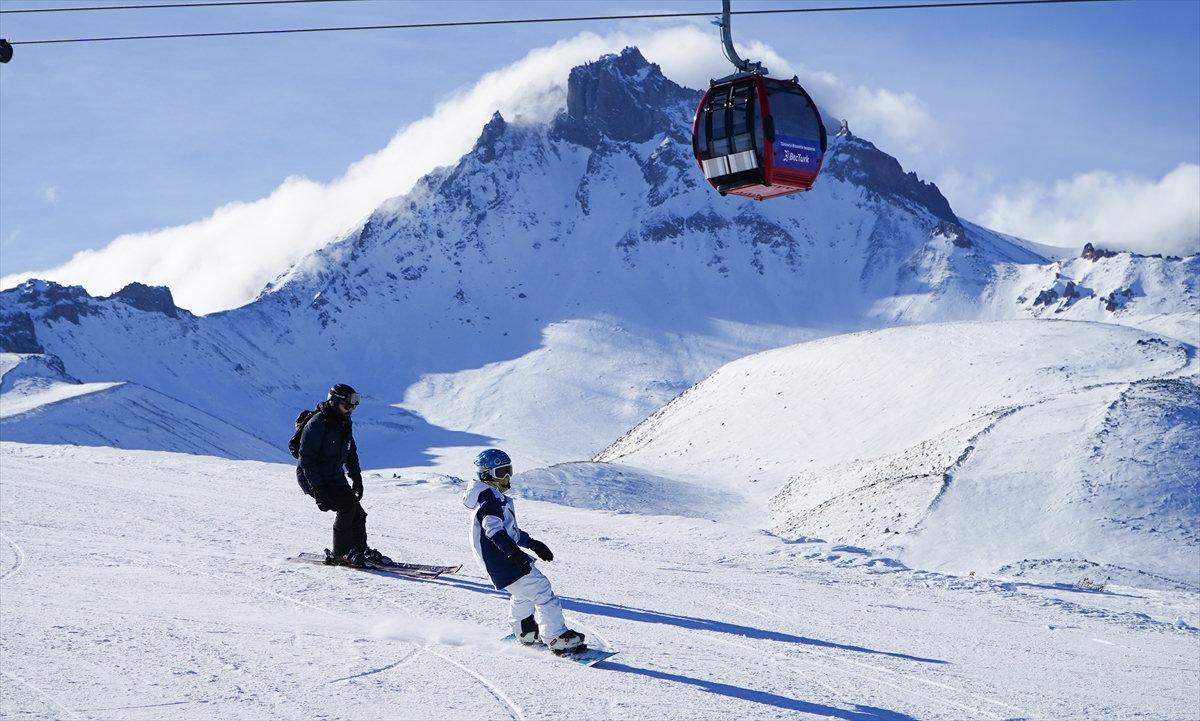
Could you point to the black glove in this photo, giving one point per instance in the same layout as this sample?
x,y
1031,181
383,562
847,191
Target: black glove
x,y
541,549
356,485
321,496
521,560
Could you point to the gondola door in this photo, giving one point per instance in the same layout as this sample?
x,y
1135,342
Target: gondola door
x,y
728,136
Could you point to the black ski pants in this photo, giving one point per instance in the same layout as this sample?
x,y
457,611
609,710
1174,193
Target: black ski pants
x,y
350,526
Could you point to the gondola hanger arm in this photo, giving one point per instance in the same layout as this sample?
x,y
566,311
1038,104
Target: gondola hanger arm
x,y
745,67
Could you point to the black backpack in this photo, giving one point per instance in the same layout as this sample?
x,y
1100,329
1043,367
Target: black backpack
x,y
301,421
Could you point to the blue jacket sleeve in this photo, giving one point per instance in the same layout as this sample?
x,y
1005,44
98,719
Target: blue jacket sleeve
x,y
310,450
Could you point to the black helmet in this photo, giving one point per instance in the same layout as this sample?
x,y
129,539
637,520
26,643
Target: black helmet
x,y
342,393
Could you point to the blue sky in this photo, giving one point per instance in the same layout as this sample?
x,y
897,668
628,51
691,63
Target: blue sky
x,y
1021,114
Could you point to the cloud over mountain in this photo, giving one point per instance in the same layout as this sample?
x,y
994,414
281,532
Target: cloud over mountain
x,y
1119,212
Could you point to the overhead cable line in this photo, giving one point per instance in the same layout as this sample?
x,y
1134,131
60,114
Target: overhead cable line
x,y
223,3
584,18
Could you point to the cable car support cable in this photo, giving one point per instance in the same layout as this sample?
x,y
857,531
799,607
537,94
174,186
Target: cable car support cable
x,y
530,21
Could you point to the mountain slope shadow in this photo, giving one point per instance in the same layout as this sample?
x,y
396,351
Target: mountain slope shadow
x,y
396,437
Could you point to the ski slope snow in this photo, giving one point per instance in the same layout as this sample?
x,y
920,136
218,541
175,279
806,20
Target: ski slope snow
x,y
152,585
965,447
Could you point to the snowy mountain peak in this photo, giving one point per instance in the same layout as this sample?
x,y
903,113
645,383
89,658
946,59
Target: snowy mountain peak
x,y
48,301
622,97
1091,252
150,298
493,131
37,303
857,160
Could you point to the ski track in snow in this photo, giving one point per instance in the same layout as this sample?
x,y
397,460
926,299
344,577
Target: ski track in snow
x,y
20,553
53,701
882,670
490,686
513,710
905,676
825,667
394,665
874,675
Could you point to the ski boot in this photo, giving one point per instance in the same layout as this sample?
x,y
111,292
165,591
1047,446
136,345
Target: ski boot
x,y
354,557
529,632
373,555
568,643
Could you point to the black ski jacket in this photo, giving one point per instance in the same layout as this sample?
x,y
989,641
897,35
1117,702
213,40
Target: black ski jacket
x,y
326,447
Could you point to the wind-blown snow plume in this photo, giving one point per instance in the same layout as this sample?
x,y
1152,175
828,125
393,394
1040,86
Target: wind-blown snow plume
x,y
224,260
1110,211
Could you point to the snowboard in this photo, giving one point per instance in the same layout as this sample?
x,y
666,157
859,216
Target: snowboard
x,y
408,570
586,657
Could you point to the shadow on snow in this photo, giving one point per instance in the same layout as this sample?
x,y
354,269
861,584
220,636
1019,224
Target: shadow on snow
x,y
858,713
629,613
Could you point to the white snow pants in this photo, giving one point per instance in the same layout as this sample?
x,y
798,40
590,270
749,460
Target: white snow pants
x,y
532,592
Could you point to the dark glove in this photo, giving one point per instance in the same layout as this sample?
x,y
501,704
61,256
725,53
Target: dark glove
x,y
521,560
321,495
356,485
541,549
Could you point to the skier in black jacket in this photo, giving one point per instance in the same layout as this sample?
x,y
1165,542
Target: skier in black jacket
x,y
326,447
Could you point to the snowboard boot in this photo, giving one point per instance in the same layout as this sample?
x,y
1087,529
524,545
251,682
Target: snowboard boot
x,y
529,631
354,557
569,642
373,555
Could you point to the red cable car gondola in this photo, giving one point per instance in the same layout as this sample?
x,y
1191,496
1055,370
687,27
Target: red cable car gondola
x,y
756,136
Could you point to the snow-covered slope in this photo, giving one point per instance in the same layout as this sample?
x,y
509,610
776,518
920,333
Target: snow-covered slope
x,y
962,447
1151,292
179,606
623,489
29,381
40,403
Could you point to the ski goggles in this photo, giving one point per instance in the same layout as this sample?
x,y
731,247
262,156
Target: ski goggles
x,y
501,472
351,400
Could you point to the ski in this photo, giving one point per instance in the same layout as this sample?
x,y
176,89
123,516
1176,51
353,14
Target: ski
x,y
586,657
408,570
394,565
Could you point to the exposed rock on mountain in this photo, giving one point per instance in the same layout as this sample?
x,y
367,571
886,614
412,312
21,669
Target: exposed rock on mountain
x,y
154,299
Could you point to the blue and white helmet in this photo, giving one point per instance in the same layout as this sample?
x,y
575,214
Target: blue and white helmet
x,y
494,468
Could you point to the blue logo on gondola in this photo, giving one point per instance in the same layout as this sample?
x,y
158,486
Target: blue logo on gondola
x,y
793,153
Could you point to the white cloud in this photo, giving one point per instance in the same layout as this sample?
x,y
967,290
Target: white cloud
x,y
224,260
50,194
967,191
1119,212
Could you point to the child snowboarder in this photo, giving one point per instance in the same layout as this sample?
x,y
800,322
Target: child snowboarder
x,y
495,541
